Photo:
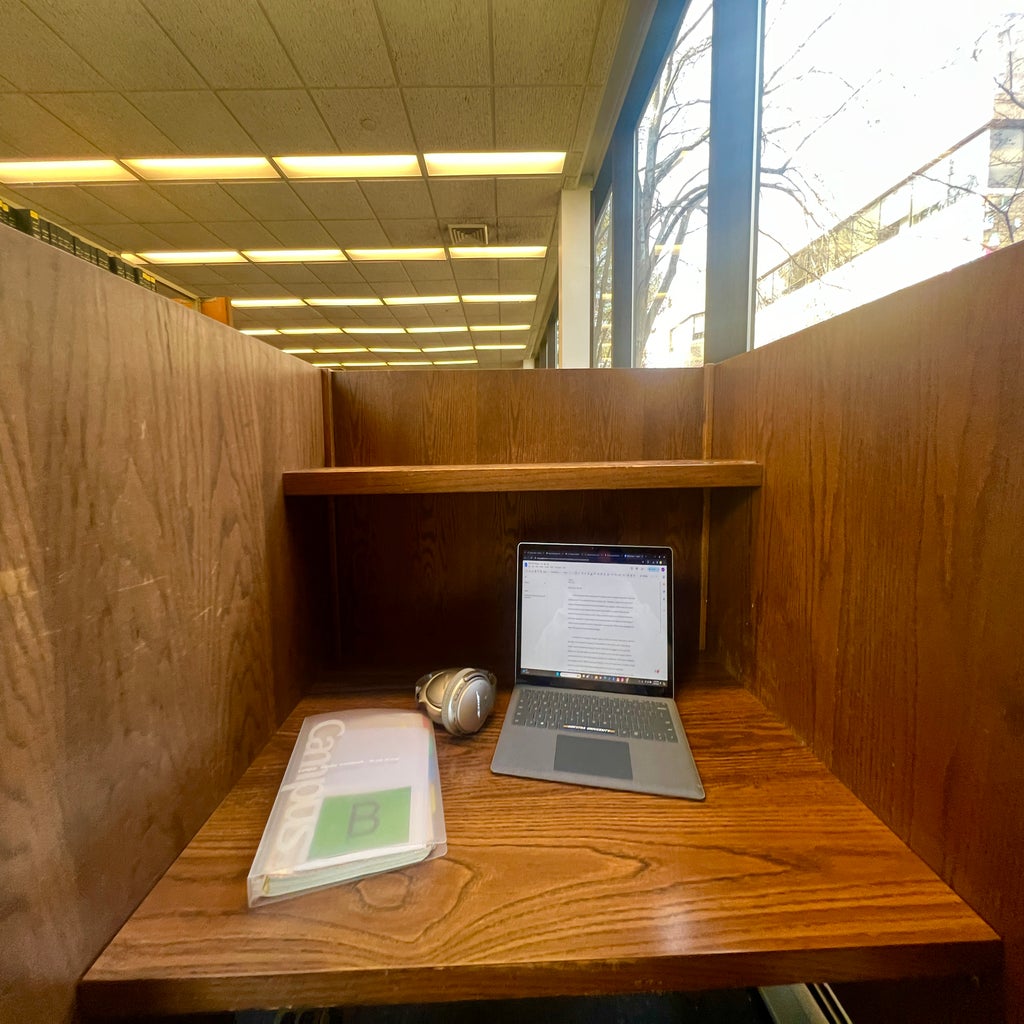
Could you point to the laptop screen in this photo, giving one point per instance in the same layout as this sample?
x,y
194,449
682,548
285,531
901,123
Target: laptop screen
x,y
595,617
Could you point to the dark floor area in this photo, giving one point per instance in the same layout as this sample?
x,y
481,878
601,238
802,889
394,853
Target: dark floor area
x,y
737,1006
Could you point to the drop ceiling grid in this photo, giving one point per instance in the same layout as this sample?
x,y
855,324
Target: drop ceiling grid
x,y
169,77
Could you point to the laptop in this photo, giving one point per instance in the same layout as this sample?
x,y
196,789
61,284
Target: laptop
x,y
594,695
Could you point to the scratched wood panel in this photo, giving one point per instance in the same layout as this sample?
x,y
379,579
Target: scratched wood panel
x,y
880,612
150,590
781,875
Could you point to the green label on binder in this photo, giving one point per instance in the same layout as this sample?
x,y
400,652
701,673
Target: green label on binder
x,y
361,821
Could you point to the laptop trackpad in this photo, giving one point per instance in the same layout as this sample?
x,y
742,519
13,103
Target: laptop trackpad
x,y
583,755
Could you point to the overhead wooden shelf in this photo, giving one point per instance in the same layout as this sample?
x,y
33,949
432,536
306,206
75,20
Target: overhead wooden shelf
x,y
543,476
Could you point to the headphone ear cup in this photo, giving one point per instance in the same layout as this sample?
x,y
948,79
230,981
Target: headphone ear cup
x,y
468,701
430,691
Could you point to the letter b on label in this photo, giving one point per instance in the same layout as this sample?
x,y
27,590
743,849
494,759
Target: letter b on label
x,y
361,821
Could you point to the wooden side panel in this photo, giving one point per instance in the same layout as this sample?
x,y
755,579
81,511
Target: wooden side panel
x,y
879,613
429,580
150,629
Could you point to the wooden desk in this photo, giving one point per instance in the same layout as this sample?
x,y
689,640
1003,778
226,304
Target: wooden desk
x,y
780,876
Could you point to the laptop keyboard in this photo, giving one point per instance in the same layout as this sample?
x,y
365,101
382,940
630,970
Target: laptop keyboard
x,y
603,714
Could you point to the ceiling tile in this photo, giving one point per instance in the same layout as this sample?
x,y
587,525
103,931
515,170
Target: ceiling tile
x,y
536,117
187,235
539,42
469,273
464,202
609,29
108,121
6,86
282,122
525,276
126,237
332,45
451,120
333,200
67,203
433,272
268,200
27,127
300,234
384,273
293,274
524,230
246,273
196,122
413,232
589,110
205,202
439,42
528,197
366,120
340,275
243,234
139,202
24,40
230,42
122,41
195,276
357,234
399,199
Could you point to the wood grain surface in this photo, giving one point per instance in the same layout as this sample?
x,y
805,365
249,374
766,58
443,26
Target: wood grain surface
x,y
870,591
532,476
781,875
151,595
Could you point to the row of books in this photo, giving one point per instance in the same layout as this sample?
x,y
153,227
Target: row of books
x,y
53,234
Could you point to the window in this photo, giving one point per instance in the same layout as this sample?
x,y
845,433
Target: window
x,y
601,344
891,149
671,201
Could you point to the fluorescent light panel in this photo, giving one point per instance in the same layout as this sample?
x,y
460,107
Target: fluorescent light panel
x,y
497,252
257,332
497,348
265,303
394,351
64,172
311,330
388,166
294,255
205,168
436,330
421,300
499,327
375,330
218,256
331,301
449,348
499,298
299,351
387,255
455,362
475,164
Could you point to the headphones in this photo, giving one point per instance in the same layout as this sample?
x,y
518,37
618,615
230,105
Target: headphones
x,y
460,699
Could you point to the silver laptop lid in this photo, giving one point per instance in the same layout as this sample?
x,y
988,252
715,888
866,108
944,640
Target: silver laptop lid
x,y
595,617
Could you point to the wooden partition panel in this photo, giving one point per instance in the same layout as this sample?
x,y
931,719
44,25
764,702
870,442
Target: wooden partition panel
x,y
880,611
151,635
429,580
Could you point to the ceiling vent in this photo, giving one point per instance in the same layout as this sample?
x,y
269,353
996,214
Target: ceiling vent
x,y
467,234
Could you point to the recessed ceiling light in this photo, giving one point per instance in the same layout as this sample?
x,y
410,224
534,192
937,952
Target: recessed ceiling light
x,y
497,252
366,363
449,164
326,365
411,362
499,327
311,330
375,330
338,351
380,255
422,300
294,255
393,351
497,348
450,348
218,256
331,301
49,172
203,168
455,362
131,257
299,351
384,166
259,331
437,330
264,303
499,298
